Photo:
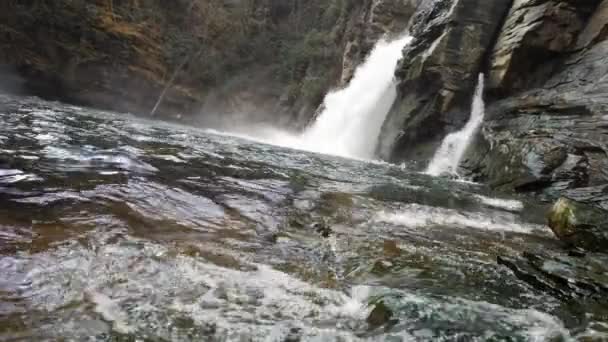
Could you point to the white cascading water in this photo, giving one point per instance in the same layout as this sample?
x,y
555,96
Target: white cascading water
x,y
449,155
350,124
352,120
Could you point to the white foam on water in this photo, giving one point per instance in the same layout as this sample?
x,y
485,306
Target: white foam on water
x,y
110,311
449,155
139,287
421,216
511,205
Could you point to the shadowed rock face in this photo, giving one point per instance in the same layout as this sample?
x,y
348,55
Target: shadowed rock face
x,y
534,34
438,74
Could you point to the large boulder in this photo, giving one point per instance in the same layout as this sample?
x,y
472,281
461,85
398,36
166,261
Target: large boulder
x,y
438,74
552,139
580,225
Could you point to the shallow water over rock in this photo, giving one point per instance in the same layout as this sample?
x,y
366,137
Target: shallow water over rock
x,y
114,228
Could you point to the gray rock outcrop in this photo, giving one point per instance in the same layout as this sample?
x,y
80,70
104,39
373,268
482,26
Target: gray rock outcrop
x,y
551,139
438,74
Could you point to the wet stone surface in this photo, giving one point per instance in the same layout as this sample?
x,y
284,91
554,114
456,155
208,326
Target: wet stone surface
x,y
118,229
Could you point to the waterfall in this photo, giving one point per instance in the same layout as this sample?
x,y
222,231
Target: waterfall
x,y
351,122
449,155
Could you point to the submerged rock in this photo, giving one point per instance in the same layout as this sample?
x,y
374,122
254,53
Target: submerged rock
x,y
380,315
322,228
580,225
381,267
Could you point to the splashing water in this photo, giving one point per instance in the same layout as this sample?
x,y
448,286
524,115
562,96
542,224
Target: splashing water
x,y
449,155
352,118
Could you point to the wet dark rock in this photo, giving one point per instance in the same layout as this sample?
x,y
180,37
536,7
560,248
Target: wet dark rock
x,y
380,315
438,74
580,225
527,273
391,249
568,278
577,252
323,229
381,267
294,335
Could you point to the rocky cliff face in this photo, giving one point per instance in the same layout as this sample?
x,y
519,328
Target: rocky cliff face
x,y
98,53
551,135
256,60
438,74
547,92
546,66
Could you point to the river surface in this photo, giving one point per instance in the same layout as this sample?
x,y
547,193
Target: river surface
x,y
114,228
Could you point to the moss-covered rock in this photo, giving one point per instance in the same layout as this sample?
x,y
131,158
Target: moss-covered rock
x,y
580,225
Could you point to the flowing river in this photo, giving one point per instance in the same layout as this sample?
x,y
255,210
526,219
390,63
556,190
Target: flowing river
x,y
114,228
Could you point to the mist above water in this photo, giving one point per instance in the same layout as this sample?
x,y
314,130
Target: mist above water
x,y
449,155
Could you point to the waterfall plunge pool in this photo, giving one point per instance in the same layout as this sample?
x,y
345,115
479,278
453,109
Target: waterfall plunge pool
x,y
117,228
